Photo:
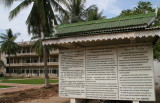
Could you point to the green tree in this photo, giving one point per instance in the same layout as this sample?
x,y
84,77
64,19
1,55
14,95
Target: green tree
x,y
141,8
75,10
8,44
93,14
145,8
78,12
40,21
126,12
156,51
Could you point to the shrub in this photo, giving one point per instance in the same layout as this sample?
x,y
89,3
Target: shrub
x,y
1,75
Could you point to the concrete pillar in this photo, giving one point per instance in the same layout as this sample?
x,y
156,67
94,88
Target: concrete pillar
x,y
13,70
39,59
21,61
30,61
39,72
74,101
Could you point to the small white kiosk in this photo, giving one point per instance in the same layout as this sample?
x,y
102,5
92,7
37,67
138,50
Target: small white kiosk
x,y
108,59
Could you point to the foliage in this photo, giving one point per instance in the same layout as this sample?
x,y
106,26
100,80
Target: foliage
x,y
157,22
156,51
40,21
8,44
93,14
38,47
77,12
1,75
142,8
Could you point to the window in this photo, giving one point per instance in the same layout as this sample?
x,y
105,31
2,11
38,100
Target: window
x,y
7,70
41,71
34,61
23,71
15,71
11,70
54,71
24,51
28,61
30,71
28,51
27,71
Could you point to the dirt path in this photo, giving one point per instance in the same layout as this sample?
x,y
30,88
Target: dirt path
x,y
17,87
50,100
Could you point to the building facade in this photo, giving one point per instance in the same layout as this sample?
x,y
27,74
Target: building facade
x,y
27,63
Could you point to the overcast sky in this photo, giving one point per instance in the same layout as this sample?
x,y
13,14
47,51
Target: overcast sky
x,y
111,8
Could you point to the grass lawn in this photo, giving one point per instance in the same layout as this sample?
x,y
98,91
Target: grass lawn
x,y
1,78
2,86
29,81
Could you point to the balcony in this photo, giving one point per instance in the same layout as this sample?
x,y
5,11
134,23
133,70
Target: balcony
x,y
32,64
54,52
24,54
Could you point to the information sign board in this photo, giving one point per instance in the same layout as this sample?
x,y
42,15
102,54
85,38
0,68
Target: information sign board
x,y
117,72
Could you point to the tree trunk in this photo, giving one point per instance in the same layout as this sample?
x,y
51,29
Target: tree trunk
x,y
9,64
45,57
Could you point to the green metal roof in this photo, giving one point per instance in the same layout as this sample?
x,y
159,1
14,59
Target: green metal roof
x,y
76,29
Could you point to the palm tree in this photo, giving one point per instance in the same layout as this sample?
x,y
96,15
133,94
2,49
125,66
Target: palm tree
x,y
143,7
8,44
40,21
93,14
39,49
76,10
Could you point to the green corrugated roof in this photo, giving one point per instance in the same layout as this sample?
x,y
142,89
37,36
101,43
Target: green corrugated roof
x,y
95,25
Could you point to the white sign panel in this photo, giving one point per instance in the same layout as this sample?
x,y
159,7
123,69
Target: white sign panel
x,y
135,70
101,73
122,72
72,74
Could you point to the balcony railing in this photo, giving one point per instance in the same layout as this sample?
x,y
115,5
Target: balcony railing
x,y
53,52
33,64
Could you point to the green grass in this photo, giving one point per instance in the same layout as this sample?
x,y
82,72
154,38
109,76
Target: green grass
x,y
1,78
2,86
29,81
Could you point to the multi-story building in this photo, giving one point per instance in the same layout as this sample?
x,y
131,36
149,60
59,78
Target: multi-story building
x,y
27,63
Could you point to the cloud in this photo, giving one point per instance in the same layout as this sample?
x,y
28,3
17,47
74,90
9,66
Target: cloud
x,y
108,6
17,24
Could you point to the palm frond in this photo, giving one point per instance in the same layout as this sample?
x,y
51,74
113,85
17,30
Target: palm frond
x,y
21,6
8,3
57,7
38,47
8,46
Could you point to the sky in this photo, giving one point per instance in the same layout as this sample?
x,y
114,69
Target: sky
x,y
111,8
